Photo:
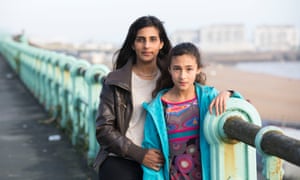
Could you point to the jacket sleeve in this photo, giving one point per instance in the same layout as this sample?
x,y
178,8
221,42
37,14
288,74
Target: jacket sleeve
x,y
151,140
110,138
235,94
214,93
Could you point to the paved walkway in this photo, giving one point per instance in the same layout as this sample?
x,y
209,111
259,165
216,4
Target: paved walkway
x,y
25,151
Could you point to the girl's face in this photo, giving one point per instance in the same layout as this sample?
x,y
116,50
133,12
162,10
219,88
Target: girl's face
x,y
183,70
147,44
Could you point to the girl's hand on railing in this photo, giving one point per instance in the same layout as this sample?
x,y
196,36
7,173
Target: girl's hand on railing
x,y
220,102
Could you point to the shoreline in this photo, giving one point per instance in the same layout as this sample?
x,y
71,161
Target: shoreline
x,y
275,98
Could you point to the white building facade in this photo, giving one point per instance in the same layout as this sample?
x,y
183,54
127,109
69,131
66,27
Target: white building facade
x,y
276,38
186,36
224,38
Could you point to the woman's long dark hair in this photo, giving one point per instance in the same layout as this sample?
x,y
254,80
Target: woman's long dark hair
x,y
165,80
126,52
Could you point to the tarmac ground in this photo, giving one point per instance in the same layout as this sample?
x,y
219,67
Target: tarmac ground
x,y
25,149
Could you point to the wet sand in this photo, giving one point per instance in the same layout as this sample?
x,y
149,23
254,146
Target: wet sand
x,y
275,98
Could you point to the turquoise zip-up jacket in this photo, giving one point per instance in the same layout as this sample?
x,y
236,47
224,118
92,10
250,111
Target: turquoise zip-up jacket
x,y
155,133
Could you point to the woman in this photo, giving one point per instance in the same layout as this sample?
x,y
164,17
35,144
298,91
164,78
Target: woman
x,y
120,120
174,120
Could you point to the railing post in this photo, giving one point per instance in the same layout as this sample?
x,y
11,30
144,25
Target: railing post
x,y
48,81
65,65
94,76
53,96
43,80
74,107
231,159
272,165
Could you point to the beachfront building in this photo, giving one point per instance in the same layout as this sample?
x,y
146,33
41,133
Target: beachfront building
x,y
224,38
185,36
276,38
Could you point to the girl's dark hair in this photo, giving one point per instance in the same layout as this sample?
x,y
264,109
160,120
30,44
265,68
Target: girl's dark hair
x,y
126,52
165,80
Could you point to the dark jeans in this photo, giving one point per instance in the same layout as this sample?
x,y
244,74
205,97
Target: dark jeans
x,y
117,168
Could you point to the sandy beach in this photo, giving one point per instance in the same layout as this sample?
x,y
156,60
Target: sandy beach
x,y
275,98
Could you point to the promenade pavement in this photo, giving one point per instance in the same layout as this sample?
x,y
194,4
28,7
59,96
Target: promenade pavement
x,y
25,151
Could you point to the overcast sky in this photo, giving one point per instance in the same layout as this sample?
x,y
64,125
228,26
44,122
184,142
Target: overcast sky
x,y
108,20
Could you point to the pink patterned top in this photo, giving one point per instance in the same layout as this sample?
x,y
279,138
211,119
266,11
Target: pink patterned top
x,y
183,131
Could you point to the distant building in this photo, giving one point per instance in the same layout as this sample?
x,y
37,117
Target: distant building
x,y
224,39
185,36
276,38
99,57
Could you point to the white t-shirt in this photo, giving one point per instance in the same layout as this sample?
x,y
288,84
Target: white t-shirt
x,y
141,92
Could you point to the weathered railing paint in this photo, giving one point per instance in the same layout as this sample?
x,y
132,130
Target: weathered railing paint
x,y
269,140
231,159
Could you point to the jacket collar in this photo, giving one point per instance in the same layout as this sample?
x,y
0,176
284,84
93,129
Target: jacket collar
x,y
121,77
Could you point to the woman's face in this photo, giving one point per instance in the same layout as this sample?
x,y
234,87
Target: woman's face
x,y
147,44
183,70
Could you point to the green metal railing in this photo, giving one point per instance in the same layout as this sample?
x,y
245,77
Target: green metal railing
x,y
236,136
69,89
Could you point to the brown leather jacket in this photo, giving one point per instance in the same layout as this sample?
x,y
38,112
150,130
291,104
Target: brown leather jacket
x,y
114,114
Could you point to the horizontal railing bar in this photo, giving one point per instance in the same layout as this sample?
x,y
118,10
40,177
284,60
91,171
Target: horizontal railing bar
x,y
273,142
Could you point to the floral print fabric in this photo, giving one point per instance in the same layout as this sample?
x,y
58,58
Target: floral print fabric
x,y
183,131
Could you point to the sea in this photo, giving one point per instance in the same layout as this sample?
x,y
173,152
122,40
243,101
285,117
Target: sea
x,y
286,69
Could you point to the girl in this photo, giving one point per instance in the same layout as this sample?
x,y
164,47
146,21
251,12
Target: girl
x,y
174,120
